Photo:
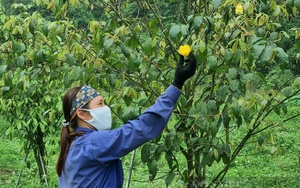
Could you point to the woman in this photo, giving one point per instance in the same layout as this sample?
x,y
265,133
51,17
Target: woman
x,y
90,151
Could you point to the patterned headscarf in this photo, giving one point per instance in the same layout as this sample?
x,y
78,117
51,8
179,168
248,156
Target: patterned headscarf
x,y
85,95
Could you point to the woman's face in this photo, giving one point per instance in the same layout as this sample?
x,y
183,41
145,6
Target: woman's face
x,y
97,102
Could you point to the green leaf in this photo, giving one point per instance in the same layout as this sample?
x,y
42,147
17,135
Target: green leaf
x,y
18,47
201,107
70,59
236,110
243,45
152,76
225,159
152,149
147,46
20,61
159,150
283,107
169,141
282,57
197,21
212,64
297,4
134,63
226,120
169,178
260,32
266,54
174,32
125,50
5,89
222,92
232,73
261,76
211,106
52,26
217,3
8,131
145,153
239,121
112,80
298,45
176,143
216,153
183,30
214,130
234,85
209,160
169,158
273,36
225,149
209,24
42,126
143,102
276,109
287,91
8,78
32,26
2,69
239,54
251,102
130,114
108,43
67,78
39,56
271,138
258,48
152,168
202,46
297,81
261,139
132,43
28,164
235,45
45,29
93,81
127,100
47,69
76,72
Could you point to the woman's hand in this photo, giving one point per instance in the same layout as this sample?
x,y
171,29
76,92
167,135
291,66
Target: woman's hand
x,y
184,70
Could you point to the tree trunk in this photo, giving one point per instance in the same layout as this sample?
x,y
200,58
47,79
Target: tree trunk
x,y
39,154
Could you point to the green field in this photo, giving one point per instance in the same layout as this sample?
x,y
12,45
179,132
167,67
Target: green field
x,y
270,165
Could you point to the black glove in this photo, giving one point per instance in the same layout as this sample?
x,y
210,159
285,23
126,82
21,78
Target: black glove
x,y
184,70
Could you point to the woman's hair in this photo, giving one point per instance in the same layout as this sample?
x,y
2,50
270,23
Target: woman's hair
x,y
67,133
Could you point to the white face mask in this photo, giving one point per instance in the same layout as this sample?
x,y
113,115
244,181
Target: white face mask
x,y
101,118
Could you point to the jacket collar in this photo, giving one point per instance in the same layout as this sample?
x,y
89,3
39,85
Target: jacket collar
x,y
83,129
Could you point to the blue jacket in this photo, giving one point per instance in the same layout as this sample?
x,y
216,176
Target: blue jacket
x,y
93,159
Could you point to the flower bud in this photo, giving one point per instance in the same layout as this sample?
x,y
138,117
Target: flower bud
x,y
239,9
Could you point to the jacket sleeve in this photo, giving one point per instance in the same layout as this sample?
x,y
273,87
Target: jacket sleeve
x,y
113,144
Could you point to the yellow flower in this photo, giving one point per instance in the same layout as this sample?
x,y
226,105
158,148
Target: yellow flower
x,y
184,50
239,9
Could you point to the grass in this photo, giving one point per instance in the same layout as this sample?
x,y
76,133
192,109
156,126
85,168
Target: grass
x,y
274,164
9,159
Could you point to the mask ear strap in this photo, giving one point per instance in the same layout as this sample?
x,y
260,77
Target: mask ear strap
x,y
84,109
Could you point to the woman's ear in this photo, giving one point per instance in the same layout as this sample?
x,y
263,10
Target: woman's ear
x,y
81,114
